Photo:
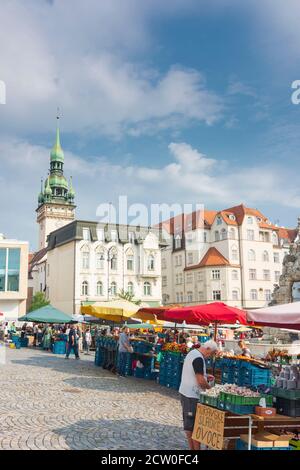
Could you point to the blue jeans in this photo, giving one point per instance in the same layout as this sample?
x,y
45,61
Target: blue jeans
x,y
69,348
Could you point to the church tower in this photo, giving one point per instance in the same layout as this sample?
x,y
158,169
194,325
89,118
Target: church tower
x,y
56,200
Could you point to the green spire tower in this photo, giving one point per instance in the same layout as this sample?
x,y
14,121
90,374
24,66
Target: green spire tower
x,y
56,199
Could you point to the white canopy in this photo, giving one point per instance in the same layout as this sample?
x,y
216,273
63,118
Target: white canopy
x,y
278,316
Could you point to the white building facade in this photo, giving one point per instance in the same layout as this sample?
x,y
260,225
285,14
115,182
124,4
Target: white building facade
x,y
89,262
234,256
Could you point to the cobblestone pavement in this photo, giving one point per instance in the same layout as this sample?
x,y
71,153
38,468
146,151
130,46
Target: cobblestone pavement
x,y
47,402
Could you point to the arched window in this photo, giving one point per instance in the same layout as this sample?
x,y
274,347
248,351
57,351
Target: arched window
x,y
249,220
235,275
234,253
113,261
217,236
265,256
85,288
85,257
147,288
113,288
232,234
251,255
223,234
151,263
129,260
99,288
130,288
100,258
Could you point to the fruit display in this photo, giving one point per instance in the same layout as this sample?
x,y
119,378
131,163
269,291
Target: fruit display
x,y
174,347
230,355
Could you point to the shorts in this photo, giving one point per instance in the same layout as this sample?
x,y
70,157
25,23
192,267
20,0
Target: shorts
x,y
189,409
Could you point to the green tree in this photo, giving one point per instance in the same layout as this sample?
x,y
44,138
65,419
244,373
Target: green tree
x,y
127,296
38,300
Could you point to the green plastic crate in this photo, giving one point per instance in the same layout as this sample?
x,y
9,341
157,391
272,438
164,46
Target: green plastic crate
x,y
239,400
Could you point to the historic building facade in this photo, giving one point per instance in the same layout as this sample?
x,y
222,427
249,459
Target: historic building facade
x,y
84,261
233,255
89,262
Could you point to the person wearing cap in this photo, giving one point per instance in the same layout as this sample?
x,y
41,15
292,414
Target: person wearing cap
x,y
194,379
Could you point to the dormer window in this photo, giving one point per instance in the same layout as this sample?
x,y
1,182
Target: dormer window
x,y
231,217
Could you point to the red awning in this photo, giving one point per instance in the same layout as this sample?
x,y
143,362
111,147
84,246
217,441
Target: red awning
x,y
216,312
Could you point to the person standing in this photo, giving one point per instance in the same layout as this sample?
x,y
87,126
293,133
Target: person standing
x,y
35,335
72,342
79,337
194,379
87,341
244,350
47,338
124,346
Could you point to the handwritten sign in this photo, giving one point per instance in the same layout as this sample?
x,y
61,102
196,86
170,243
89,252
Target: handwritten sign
x,y
209,427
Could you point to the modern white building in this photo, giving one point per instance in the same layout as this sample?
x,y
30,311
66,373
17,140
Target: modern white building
x,y
233,255
89,262
13,278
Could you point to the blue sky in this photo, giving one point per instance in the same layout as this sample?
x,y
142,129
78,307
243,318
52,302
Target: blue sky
x,y
176,101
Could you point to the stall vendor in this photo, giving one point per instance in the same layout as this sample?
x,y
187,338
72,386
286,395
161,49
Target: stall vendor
x,y
245,351
193,380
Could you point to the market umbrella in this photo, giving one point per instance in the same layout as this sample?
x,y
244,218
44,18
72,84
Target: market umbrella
x,y
242,329
215,312
278,316
151,313
47,314
114,310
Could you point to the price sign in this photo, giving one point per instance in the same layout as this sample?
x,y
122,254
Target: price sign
x,y
209,427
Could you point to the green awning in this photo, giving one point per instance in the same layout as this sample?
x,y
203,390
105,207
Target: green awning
x,y
47,314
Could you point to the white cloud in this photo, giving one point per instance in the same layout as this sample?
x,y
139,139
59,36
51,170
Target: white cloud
x,y
91,63
190,177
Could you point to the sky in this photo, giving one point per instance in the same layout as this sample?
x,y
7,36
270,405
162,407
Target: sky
x,y
180,101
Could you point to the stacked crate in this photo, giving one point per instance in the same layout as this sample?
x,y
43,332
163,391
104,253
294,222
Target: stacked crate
x,y
124,364
59,347
244,373
171,369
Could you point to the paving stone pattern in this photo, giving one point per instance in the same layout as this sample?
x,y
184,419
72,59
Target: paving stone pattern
x,y
48,402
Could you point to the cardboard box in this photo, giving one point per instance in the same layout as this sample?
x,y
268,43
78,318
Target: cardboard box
x,y
258,440
278,441
267,412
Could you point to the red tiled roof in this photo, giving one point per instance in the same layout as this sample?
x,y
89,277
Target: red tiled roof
x,y
287,234
211,258
206,218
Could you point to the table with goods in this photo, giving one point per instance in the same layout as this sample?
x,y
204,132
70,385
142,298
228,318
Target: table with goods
x,y
262,404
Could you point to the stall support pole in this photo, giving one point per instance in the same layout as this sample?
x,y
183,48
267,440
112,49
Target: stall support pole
x,y
250,432
216,331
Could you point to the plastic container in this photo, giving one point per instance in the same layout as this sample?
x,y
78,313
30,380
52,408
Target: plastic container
x,y
285,406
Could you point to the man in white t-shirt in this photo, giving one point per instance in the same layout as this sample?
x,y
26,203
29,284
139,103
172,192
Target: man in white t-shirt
x,y
194,379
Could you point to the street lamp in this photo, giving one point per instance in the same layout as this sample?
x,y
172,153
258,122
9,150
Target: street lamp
x,y
109,258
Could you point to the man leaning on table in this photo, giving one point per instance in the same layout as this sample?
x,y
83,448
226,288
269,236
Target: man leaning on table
x,y
194,379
